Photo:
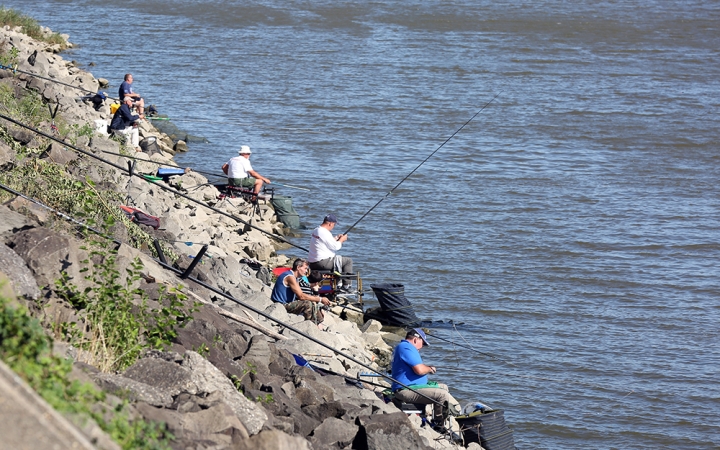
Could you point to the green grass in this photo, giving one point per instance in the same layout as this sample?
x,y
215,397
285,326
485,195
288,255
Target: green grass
x,y
30,26
26,349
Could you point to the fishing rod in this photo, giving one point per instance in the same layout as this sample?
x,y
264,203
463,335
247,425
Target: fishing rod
x,y
232,122
194,170
13,69
131,174
418,166
471,349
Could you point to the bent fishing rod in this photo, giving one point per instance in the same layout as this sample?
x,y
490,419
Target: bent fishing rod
x,y
419,165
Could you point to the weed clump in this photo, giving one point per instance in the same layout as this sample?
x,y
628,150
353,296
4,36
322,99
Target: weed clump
x,y
29,26
26,349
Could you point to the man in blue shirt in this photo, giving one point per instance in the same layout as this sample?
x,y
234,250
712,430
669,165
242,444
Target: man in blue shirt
x,y
124,122
287,291
409,369
127,91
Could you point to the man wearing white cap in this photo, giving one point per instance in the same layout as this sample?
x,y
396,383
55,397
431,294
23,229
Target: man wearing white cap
x,y
240,172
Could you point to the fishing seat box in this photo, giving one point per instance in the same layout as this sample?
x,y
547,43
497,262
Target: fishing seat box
x,y
166,172
487,429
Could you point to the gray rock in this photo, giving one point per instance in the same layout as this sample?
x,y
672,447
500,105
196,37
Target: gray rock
x,y
180,146
217,419
323,411
137,391
31,210
258,355
274,440
258,251
7,156
387,432
18,273
207,378
333,433
11,222
164,375
58,154
371,326
47,253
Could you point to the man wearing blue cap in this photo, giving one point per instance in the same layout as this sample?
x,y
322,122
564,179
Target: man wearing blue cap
x,y
323,246
409,369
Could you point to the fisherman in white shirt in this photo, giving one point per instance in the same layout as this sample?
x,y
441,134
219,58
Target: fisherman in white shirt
x,y
240,172
323,246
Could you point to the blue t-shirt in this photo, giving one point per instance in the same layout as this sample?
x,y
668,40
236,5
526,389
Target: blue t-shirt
x,y
405,357
281,293
125,88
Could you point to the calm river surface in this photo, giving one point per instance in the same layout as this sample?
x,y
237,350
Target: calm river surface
x,y
571,227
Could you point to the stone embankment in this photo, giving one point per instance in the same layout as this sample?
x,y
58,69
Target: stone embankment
x,y
229,378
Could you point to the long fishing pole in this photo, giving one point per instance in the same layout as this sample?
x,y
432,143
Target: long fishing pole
x,y
232,122
418,166
472,349
13,69
194,170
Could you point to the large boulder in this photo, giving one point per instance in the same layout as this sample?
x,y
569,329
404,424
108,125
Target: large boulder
x,y
207,378
18,274
333,434
387,432
7,156
196,376
47,254
133,390
12,222
273,440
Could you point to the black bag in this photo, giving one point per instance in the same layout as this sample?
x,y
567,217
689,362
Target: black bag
x,y
487,429
395,309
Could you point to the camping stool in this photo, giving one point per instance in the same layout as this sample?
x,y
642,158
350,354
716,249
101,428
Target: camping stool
x,y
412,408
245,193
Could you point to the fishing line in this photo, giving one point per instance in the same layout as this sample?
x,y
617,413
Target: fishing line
x,y
232,122
533,377
53,81
423,162
194,170
472,349
233,299
161,186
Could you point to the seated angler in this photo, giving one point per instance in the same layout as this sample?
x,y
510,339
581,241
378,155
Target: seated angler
x,y
127,91
123,122
288,292
408,368
310,284
240,172
323,246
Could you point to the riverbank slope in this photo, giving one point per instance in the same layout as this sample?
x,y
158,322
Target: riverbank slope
x,y
209,356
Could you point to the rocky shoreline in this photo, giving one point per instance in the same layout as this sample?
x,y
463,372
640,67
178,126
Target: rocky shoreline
x,y
229,378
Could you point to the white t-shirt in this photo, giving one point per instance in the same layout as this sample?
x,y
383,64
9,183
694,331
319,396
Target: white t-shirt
x,y
238,167
322,245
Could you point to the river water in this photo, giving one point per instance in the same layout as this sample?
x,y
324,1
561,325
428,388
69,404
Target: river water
x,y
570,229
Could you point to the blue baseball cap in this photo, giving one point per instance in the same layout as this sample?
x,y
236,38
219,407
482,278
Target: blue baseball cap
x,y
417,332
330,218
